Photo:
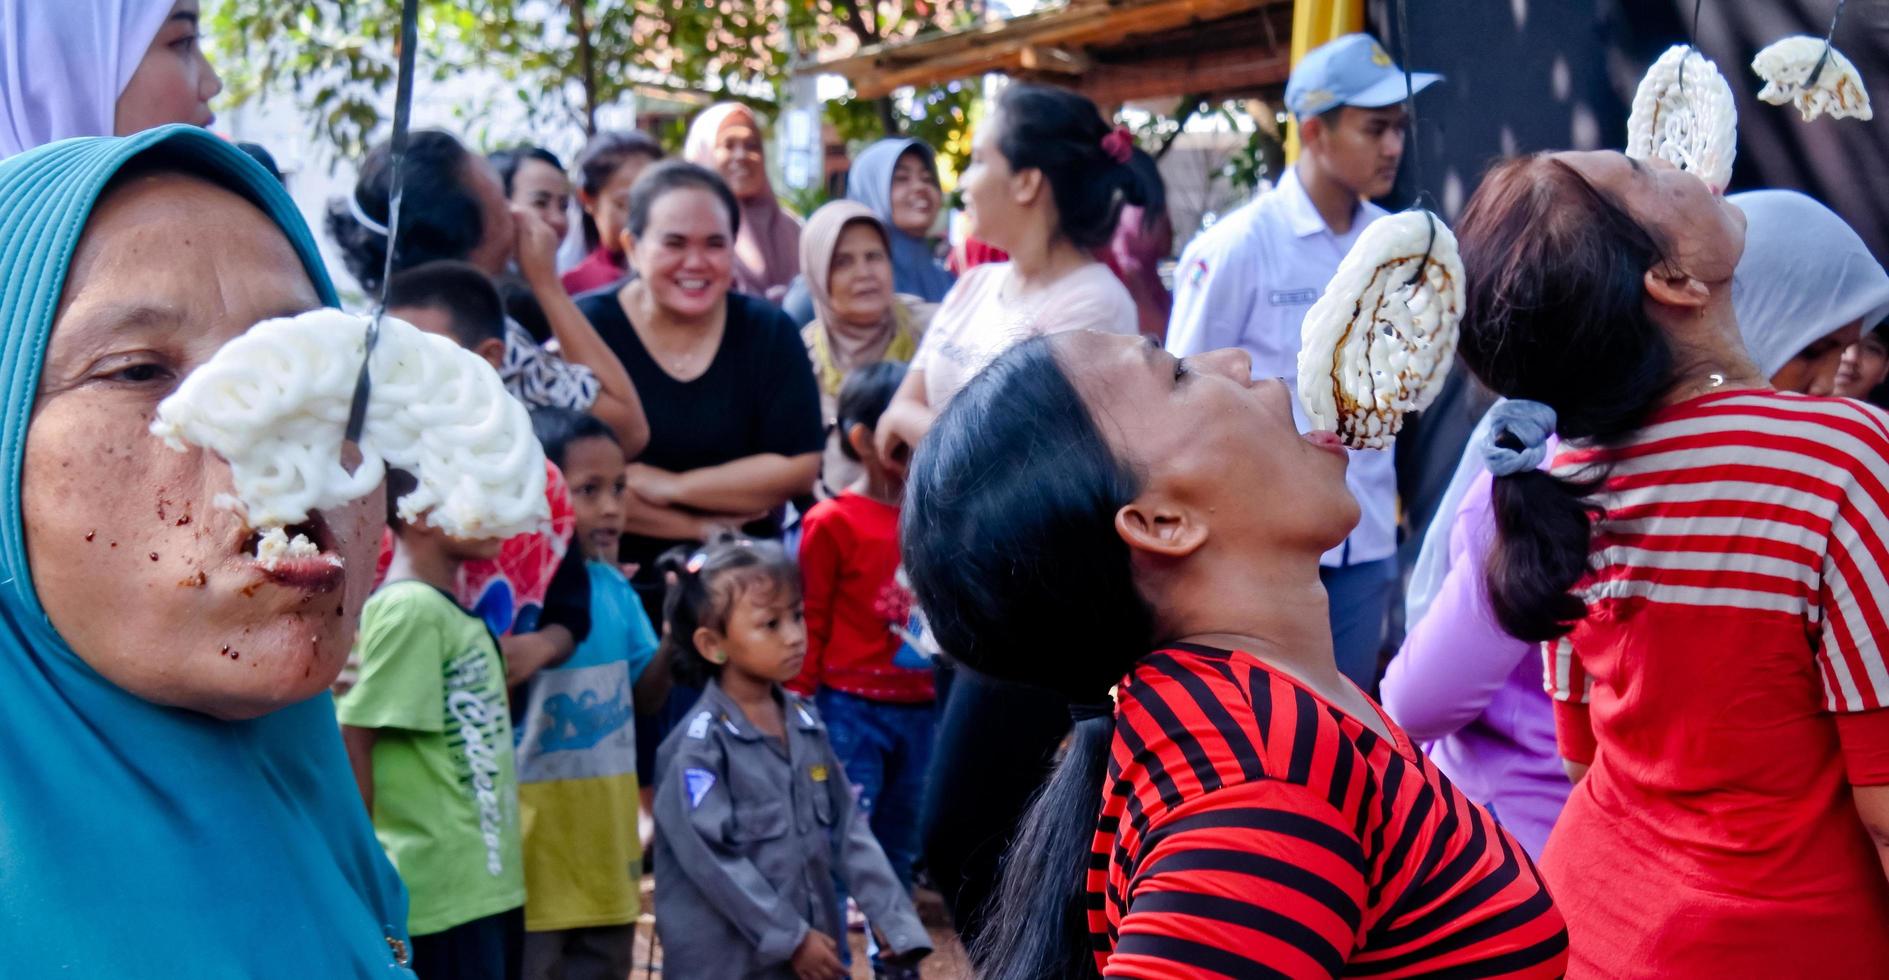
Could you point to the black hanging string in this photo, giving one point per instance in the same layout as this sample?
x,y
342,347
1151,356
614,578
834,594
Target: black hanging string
x,y
1816,71
397,148
1692,45
1410,141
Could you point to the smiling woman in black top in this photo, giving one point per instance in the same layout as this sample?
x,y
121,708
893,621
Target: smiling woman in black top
x,y
733,410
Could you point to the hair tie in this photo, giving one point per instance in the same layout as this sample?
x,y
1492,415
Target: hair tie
x,y
696,561
354,209
1081,712
1516,437
1119,144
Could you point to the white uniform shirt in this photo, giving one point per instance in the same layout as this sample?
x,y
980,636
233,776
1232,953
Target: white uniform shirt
x,y
1247,282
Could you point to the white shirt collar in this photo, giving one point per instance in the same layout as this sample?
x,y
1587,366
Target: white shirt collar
x,y
1302,215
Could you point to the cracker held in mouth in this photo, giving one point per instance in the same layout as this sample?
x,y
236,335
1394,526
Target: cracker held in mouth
x,y
1683,114
1786,66
1375,346
274,403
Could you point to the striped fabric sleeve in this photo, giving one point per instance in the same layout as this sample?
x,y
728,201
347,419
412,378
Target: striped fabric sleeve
x,y
1563,676
1854,594
1260,879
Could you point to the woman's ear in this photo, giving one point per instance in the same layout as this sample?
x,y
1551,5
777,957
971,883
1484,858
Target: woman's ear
x,y
1156,526
709,643
626,242
1026,186
1668,286
585,201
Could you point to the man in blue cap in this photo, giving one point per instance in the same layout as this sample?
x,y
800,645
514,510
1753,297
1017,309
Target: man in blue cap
x,y
1248,281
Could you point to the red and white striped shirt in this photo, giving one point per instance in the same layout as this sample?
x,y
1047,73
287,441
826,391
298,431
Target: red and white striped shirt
x,y
1728,672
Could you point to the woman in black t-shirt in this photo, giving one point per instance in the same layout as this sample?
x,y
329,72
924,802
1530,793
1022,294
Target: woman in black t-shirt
x,y
734,413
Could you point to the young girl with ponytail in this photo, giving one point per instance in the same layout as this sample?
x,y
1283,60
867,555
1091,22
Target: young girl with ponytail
x,y
1704,560
1091,513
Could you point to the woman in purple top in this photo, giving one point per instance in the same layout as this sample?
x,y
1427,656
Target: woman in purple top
x,y
1472,694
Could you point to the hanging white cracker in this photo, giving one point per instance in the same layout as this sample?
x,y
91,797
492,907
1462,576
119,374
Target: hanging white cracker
x,y
274,403
1786,67
1687,120
1374,347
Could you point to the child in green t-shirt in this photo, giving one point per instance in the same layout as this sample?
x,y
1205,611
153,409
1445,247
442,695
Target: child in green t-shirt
x,y
428,730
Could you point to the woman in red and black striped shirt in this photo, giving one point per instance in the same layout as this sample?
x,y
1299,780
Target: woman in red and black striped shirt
x,y
1091,512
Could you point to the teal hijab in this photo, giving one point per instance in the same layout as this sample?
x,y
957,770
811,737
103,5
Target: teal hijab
x,y
138,840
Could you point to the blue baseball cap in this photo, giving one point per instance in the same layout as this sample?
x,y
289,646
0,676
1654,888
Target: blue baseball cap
x,y
1354,70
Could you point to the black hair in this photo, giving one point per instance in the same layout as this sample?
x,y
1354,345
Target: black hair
x,y
1009,539
705,582
1060,133
399,484
556,428
864,396
508,162
676,175
1154,203
440,218
261,154
602,157
1555,311
459,289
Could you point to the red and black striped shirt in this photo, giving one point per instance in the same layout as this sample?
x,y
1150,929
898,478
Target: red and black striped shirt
x,y
1251,829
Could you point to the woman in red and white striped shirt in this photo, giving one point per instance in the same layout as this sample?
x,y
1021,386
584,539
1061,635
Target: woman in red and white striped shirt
x,y
1090,512
1706,562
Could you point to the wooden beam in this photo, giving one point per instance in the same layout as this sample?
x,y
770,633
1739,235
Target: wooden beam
x,y
1214,74
1059,60
951,54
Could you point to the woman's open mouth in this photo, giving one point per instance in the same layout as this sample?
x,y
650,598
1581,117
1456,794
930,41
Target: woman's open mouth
x,y
300,555
1328,441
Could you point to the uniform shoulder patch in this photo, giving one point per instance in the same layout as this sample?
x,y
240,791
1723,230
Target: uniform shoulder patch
x,y
699,782
698,726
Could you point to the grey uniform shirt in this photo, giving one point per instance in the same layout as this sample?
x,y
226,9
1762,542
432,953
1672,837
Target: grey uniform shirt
x,y
749,834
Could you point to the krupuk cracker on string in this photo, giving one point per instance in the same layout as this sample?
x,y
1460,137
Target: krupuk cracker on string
x,y
1787,67
1683,114
1377,345
274,403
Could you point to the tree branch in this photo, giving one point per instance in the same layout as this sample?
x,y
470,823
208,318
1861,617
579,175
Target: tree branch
x,y
581,27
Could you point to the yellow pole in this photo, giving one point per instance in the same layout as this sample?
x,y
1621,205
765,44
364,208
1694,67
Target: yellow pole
x,y
1315,22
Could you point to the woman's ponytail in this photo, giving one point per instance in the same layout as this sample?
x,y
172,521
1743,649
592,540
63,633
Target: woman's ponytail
x,y
1543,528
1038,925
1555,312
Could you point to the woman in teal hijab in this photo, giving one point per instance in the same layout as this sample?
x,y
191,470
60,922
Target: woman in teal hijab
x,y
174,799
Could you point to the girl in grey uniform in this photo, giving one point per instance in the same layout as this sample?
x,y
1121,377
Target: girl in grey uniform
x,y
754,816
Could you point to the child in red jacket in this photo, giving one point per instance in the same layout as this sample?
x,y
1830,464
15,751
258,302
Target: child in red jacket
x,y
879,713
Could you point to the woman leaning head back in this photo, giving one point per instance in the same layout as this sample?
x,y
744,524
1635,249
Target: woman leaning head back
x,y
178,748
1084,499
1601,287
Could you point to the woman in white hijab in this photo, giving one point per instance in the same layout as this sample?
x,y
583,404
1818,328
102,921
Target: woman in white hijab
x,y
1806,288
99,68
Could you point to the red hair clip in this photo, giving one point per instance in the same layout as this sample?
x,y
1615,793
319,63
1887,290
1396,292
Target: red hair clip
x,y
1119,144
